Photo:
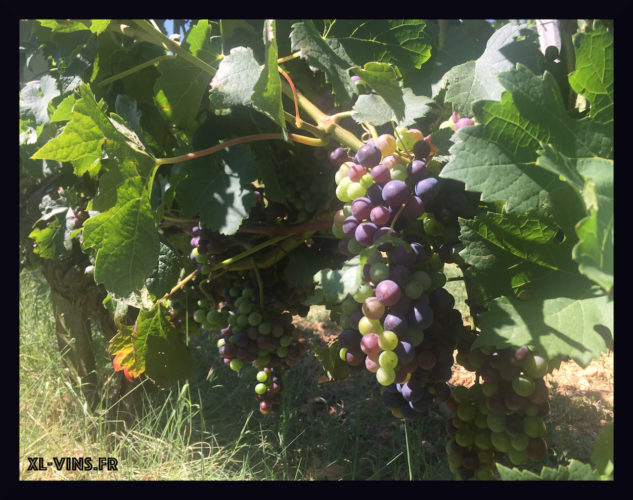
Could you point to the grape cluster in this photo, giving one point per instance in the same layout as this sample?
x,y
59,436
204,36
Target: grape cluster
x,y
401,323
502,415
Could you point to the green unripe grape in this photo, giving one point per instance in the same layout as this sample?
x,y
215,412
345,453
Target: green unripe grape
x,y
338,232
342,173
480,421
366,181
413,289
205,268
349,305
404,140
245,308
265,328
466,412
387,340
374,256
254,318
385,376
239,301
465,436
354,246
199,315
431,225
399,173
234,292
496,423
247,293
531,409
205,325
379,272
277,330
355,190
501,441
490,388
342,353
236,364
221,342
203,303
534,426
484,473
438,279
482,439
262,376
523,386
285,341
388,359
517,457
232,320
242,320
460,394
282,351
364,290
347,210
366,325
215,317
520,442
482,406
536,366
342,190
424,278
260,388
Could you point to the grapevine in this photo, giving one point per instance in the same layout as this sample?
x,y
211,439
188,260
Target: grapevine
x,y
220,186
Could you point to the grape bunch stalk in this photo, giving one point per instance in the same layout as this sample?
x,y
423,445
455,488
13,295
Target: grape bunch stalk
x,y
401,323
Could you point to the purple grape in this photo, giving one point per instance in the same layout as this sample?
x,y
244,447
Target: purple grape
x,y
413,208
401,274
349,226
349,338
364,233
427,189
421,149
339,156
380,215
421,315
380,174
418,170
403,254
395,193
418,250
380,232
391,400
405,352
195,231
374,193
395,322
361,208
463,122
412,391
402,306
342,247
388,292
195,241
368,155
355,318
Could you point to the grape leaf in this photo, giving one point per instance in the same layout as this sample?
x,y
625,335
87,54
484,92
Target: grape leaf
x,y
214,190
401,42
50,240
166,273
241,81
35,97
382,78
327,56
561,319
373,108
602,456
336,284
477,80
575,471
152,346
64,110
593,77
331,362
126,239
302,264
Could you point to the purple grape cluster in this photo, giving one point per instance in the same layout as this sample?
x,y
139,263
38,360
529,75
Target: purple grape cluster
x,y
401,324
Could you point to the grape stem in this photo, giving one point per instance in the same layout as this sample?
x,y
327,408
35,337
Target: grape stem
x,y
134,69
260,284
310,141
277,230
298,121
179,285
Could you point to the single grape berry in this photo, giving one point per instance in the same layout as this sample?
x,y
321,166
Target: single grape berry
x,y
369,155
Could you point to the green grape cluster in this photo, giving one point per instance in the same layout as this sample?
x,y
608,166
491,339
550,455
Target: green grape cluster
x,y
500,415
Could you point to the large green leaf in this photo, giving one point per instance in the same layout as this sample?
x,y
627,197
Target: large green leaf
x,y
373,108
594,77
35,97
477,80
215,191
602,455
126,239
327,56
152,346
575,471
401,42
336,284
565,316
166,273
382,78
